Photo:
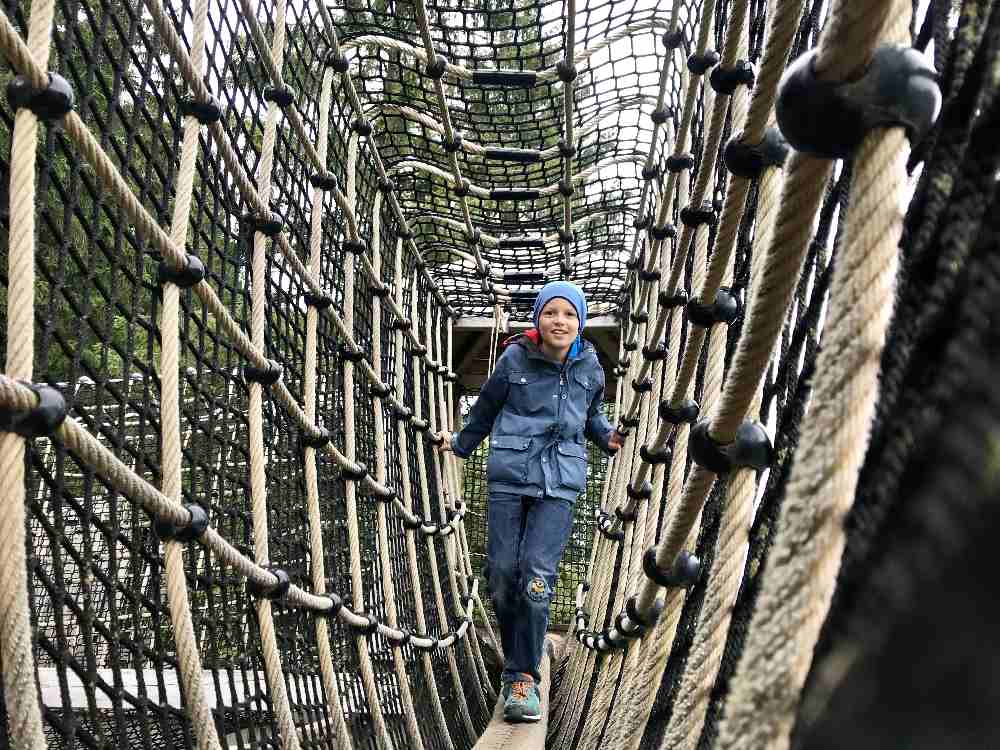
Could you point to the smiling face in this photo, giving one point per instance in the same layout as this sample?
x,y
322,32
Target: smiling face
x,y
559,325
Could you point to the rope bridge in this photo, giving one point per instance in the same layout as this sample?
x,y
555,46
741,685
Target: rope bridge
x,y
239,238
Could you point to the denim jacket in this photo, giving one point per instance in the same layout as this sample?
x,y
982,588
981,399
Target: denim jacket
x,y
539,414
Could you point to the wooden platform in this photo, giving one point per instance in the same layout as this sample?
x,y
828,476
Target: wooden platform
x,y
499,734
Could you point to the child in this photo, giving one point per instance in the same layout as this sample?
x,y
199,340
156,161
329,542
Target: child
x,y
541,401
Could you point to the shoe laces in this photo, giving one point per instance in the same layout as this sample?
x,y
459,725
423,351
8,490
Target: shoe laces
x,y
519,690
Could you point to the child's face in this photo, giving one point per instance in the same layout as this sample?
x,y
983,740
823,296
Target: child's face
x,y
559,323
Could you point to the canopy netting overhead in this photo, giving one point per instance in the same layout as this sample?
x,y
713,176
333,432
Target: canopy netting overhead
x,y
234,268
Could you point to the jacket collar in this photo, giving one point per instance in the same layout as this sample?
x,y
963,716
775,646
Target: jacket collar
x,y
531,340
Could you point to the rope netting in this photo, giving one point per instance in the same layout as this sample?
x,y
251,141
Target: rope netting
x,y
238,261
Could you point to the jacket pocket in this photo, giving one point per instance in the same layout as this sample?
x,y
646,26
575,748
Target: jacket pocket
x,y
572,465
529,393
508,461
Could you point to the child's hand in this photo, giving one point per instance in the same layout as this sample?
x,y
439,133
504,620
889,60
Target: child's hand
x,y
445,444
616,441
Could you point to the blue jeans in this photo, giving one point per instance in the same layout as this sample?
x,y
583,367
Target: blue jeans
x,y
527,536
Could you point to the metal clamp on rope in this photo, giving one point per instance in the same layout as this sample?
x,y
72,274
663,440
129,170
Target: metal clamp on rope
x,y
381,291
566,150
751,448
356,247
628,425
317,440
53,102
435,68
660,116
625,516
319,301
642,386
642,222
413,524
268,224
338,62
641,316
830,119
194,529
683,574
362,127
645,275
669,301
566,238
686,412
631,345
657,354
271,592
605,525
418,351
383,494
205,112
666,232
351,355
699,64
651,172
679,162
380,390
650,619
404,413
421,425
461,189
283,96
749,160
323,181
566,70
694,217
673,39
192,273
335,606
400,324
407,634
725,309
404,232
725,80
452,145
654,458
643,492
268,375
370,628
356,473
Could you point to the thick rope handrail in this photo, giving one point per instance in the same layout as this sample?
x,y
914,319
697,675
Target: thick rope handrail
x,y
477,149
461,72
542,192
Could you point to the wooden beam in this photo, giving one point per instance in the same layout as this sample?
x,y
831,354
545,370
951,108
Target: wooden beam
x,y
470,323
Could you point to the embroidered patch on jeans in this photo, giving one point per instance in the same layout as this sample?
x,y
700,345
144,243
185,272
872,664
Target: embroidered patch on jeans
x,y
536,589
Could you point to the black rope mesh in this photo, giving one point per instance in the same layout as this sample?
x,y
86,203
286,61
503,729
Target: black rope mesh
x,y
103,638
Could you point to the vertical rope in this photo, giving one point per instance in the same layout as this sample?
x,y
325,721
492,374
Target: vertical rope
x,y
316,547
805,555
350,488
442,613
385,564
413,566
23,713
258,482
189,660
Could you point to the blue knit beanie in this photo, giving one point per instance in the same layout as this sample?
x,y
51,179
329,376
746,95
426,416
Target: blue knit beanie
x,y
569,292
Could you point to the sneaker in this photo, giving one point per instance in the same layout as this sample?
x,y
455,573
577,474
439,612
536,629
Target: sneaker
x,y
522,702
